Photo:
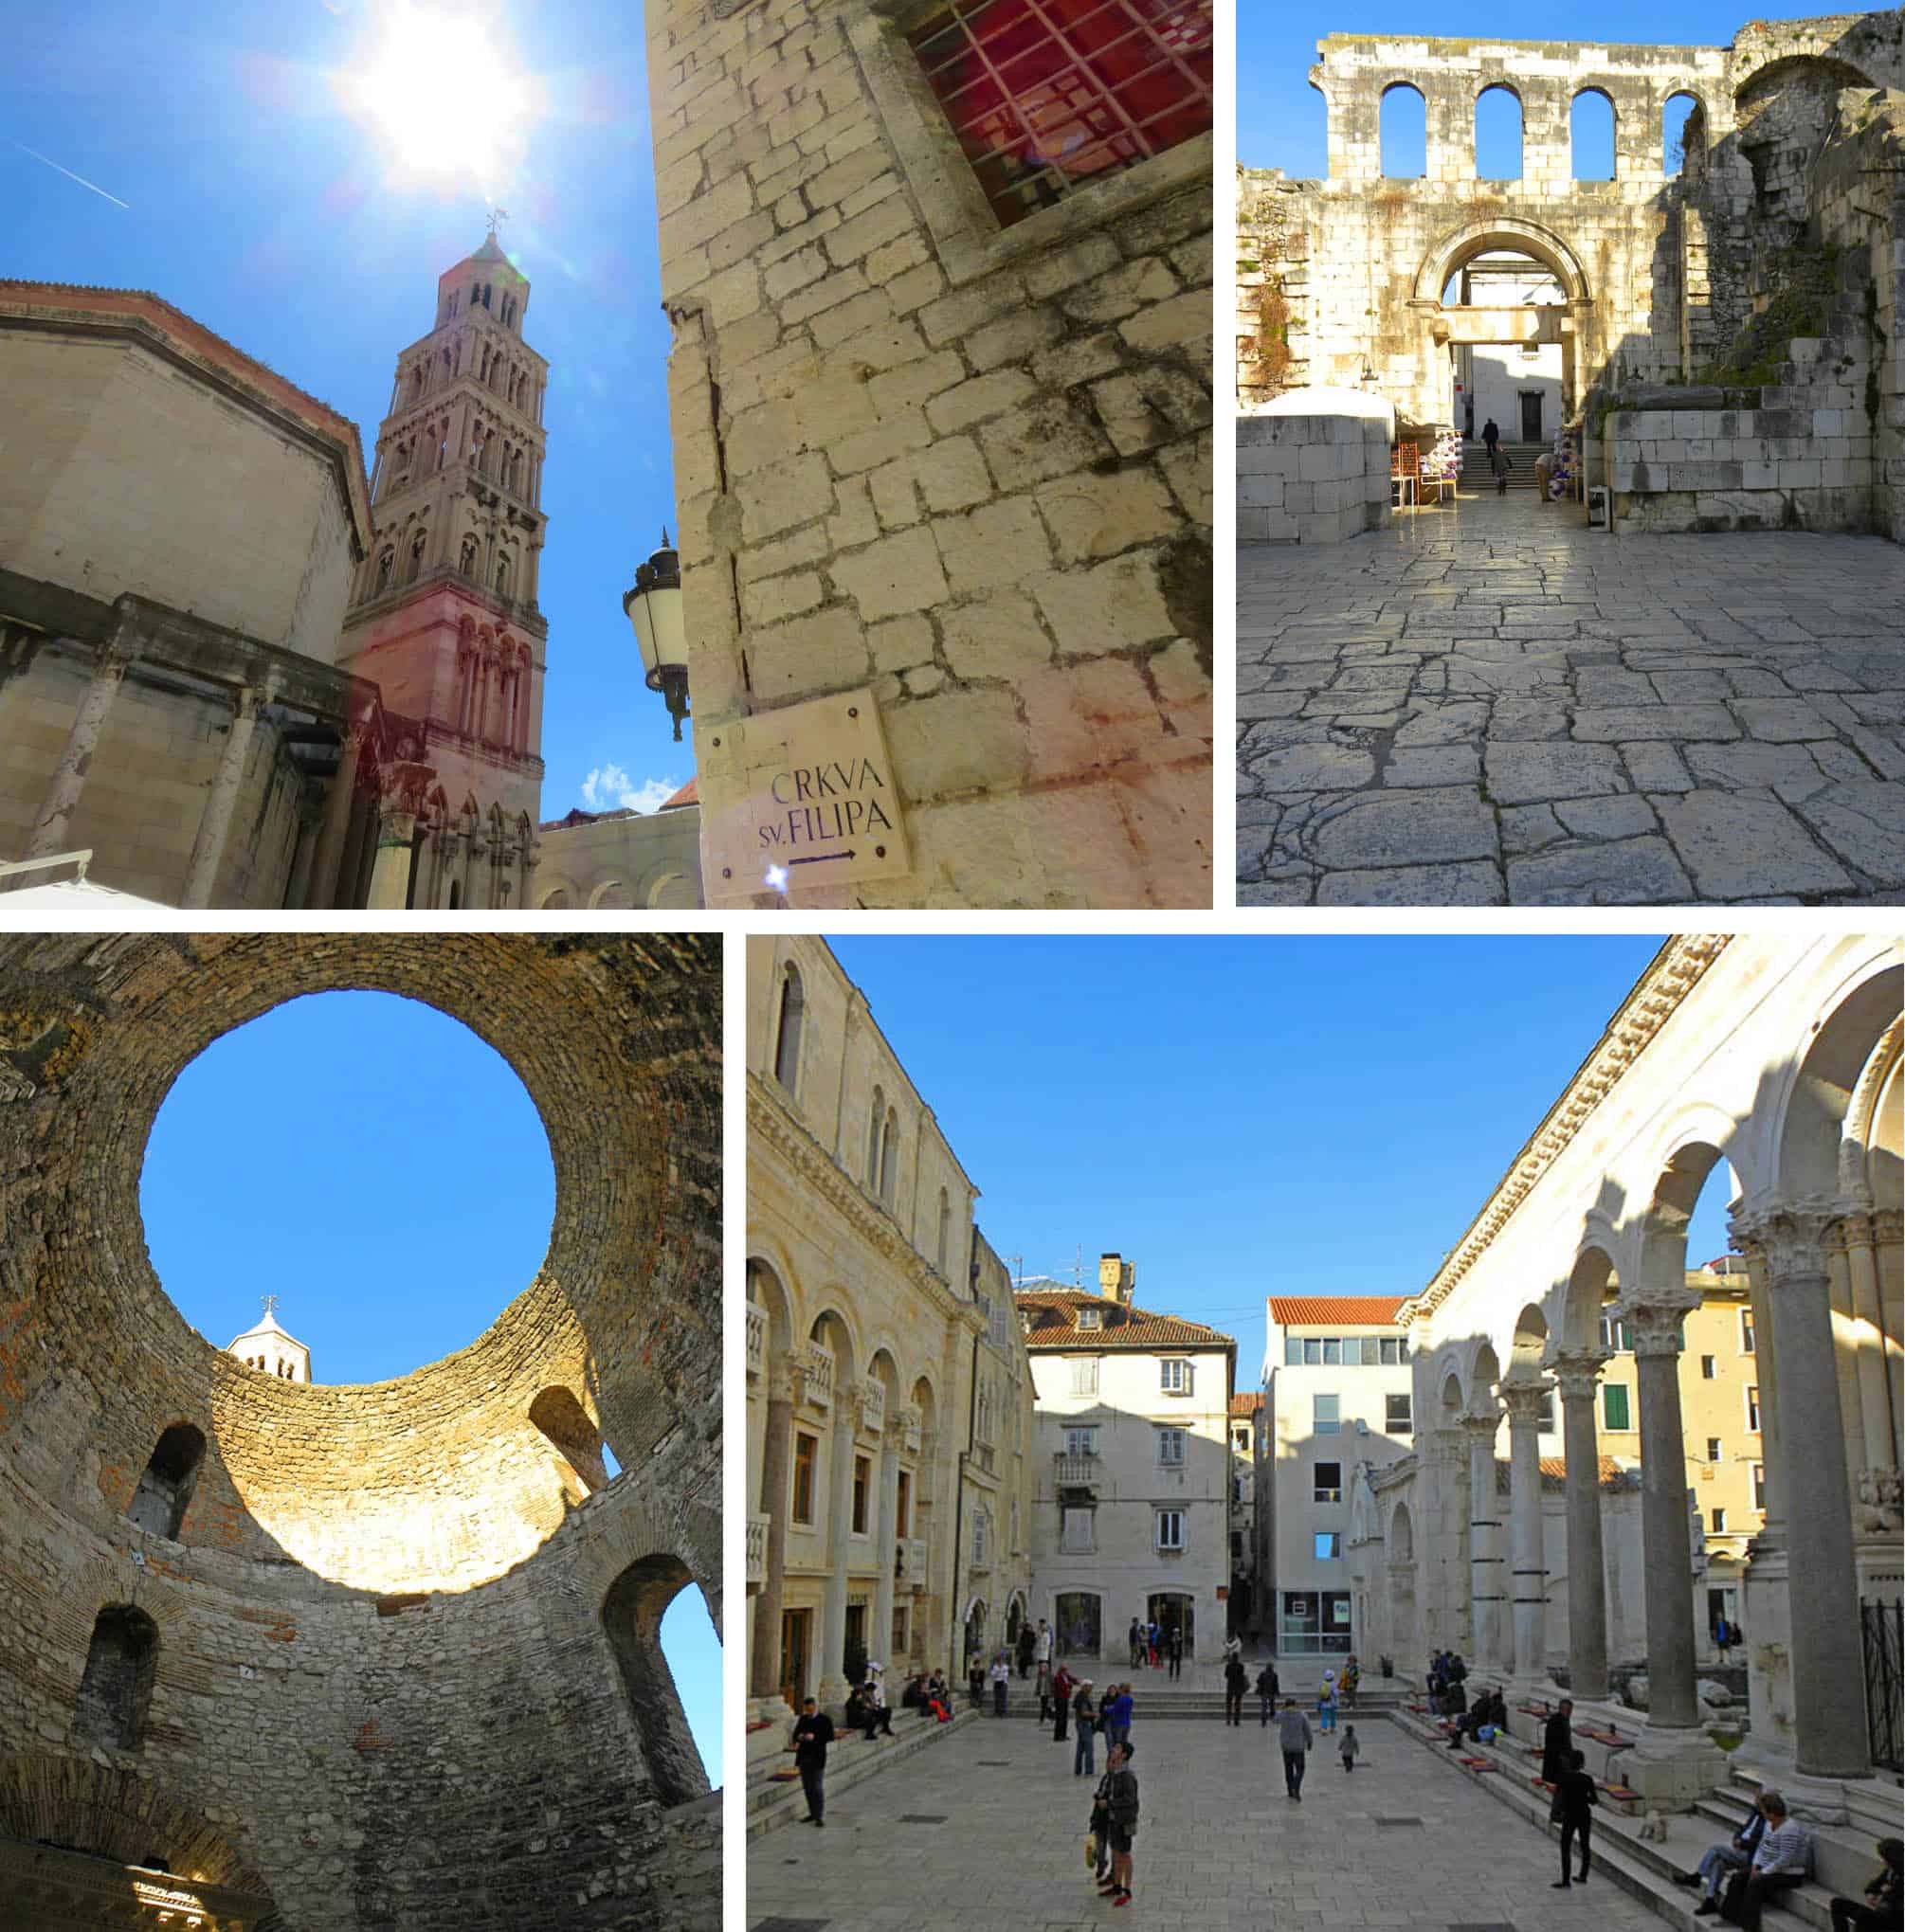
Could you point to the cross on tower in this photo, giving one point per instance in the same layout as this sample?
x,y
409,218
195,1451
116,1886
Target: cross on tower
x,y
496,216
270,1302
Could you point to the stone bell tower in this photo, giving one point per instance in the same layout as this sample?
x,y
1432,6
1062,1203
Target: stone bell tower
x,y
444,617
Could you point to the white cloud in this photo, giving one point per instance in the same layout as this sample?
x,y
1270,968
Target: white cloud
x,y
609,787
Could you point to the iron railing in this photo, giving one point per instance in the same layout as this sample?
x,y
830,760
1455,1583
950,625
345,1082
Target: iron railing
x,y
1880,1628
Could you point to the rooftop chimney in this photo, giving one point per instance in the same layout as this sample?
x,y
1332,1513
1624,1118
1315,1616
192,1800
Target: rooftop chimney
x,y
1117,1277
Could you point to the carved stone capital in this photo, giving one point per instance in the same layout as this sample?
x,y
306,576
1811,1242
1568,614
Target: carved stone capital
x,y
1523,1396
1790,1235
1480,1430
1654,1315
1576,1372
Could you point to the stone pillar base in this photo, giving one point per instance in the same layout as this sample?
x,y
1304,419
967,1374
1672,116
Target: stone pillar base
x,y
766,1745
1672,1769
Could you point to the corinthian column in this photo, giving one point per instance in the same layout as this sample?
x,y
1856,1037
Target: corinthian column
x,y
52,823
1654,1316
879,1639
1524,1396
325,879
1487,1578
1827,1697
1863,1249
1577,1374
764,1662
215,823
831,1673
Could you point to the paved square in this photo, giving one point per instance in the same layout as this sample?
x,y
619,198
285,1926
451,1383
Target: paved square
x,y
1490,704
1219,1846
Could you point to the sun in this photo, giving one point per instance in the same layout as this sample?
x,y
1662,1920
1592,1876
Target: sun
x,y
441,93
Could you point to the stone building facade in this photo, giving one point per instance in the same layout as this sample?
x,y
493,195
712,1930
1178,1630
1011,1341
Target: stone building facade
x,y
620,859
1781,1058
324,1658
1134,1481
941,415
1666,275
889,1399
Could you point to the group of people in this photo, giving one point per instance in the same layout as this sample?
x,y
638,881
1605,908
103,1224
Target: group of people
x,y
1294,1739
1770,1853
1157,1645
928,1690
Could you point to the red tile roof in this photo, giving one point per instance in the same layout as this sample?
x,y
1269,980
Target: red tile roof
x,y
686,796
1247,1405
1355,1311
1055,1324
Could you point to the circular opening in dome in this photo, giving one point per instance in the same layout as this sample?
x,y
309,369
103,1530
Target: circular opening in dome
x,y
368,1162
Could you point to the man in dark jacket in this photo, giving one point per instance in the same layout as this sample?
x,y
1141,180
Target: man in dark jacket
x,y
1121,1804
1574,1800
1557,1741
813,1734
1267,1687
1236,1681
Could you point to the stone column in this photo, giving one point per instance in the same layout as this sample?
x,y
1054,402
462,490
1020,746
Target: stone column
x,y
215,823
1829,1698
1488,1590
1577,1373
338,803
53,822
1845,1357
1654,1316
390,873
1863,1248
297,883
886,1517
830,1673
1772,1523
1524,1397
1448,1551
763,1662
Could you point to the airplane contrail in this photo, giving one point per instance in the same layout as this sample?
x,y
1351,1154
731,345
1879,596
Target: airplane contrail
x,y
71,176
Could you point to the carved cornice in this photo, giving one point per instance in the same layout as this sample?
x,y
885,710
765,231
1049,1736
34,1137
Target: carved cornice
x,y
1671,975
768,1119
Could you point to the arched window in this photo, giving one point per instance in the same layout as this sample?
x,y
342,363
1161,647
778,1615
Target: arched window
x,y
116,1692
631,1618
944,1227
1498,135
1590,136
476,293
876,1119
485,294
889,1158
1403,134
416,381
416,560
502,576
384,565
469,562
788,1030
1682,135
578,1442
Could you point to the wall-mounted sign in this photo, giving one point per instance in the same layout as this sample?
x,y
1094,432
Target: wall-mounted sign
x,y
800,797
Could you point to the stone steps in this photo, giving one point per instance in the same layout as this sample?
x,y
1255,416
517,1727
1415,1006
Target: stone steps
x,y
1476,475
774,1801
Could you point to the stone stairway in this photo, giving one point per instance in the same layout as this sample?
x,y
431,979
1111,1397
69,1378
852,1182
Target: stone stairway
x,y
1843,1857
774,1793
1476,475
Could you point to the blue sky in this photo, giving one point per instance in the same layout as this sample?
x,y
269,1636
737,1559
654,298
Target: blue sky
x,y
264,210
394,1190
1279,115
1243,1117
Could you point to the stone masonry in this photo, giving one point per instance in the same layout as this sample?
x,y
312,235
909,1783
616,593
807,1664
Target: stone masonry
x,y
1310,479
967,467
391,1637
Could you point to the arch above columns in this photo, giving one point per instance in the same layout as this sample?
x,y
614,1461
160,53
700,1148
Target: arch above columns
x,y
1477,238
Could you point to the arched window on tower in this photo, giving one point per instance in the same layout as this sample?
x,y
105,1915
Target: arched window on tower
x,y
788,1030
502,576
476,293
416,381
576,1440
164,1494
116,1692
468,561
416,558
384,565
945,1228
875,1120
631,1618
889,1158
485,294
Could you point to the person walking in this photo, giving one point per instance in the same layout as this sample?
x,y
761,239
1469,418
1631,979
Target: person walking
x,y
1117,1716
1177,1650
1557,1741
1350,1749
1063,1683
1500,463
1572,1810
1326,1703
1294,1741
1879,1913
1351,1678
1085,1724
1491,434
1100,1827
1267,1687
1236,1681
813,1734
1001,1674
1121,1808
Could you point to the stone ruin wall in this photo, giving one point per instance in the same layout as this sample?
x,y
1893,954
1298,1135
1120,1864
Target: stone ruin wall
x,y
384,1695
1660,269
969,468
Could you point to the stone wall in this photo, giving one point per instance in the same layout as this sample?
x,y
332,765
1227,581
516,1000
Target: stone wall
x,y
1310,479
384,1694
619,860
965,466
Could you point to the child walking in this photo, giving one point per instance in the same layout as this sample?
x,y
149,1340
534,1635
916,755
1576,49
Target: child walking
x,y
1350,1747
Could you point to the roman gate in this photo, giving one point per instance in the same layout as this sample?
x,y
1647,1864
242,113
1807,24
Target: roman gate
x,y
1781,1060
1356,280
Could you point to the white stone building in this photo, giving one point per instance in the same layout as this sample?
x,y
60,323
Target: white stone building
x,y
1518,383
268,1348
1133,1465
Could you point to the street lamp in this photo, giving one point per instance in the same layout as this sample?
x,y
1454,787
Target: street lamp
x,y
654,608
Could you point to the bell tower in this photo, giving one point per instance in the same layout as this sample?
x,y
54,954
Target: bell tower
x,y
444,617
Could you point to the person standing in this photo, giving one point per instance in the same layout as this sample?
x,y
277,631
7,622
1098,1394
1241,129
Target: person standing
x,y
813,1734
1350,1748
1267,1687
1121,1806
1085,1720
1294,1739
1491,434
1062,1684
1001,1674
1326,1703
1557,1741
1042,1656
1118,1715
1026,1643
1879,1913
1136,1644
1150,1641
1353,1676
1572,1810
1236,1681
1499,461
1177,1650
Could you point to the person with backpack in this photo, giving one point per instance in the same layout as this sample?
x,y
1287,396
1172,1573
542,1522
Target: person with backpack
x,y
1121,1810
1267,1687
1326,1703
1572,1810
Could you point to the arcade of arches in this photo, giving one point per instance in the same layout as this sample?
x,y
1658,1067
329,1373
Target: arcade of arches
x,y
1782,1061
301,1656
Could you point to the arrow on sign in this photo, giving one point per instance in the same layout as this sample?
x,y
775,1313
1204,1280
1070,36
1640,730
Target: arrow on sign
x,y
821,857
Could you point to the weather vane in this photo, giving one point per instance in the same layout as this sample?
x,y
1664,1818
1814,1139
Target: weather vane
x,y
496,216
270,1302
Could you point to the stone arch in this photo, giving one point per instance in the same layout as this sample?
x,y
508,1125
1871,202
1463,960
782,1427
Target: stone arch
x,y
1870,1152
670,891
1452,1391
1674,1190
790,1020
116,1692
1513,93
610,896
631,1619
1531,1341
1588,94
1591,1283
572,1433
831,1329
1388,135
1402,1537
165,1489
557,896
1694,137
1506,232
768,1289
1484,1372
1811,1112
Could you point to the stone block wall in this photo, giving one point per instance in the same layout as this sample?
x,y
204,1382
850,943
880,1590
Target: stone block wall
x,y
1310,479
966,466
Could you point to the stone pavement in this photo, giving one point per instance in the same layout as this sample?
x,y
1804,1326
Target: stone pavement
x,y
1489,703
1219,1846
